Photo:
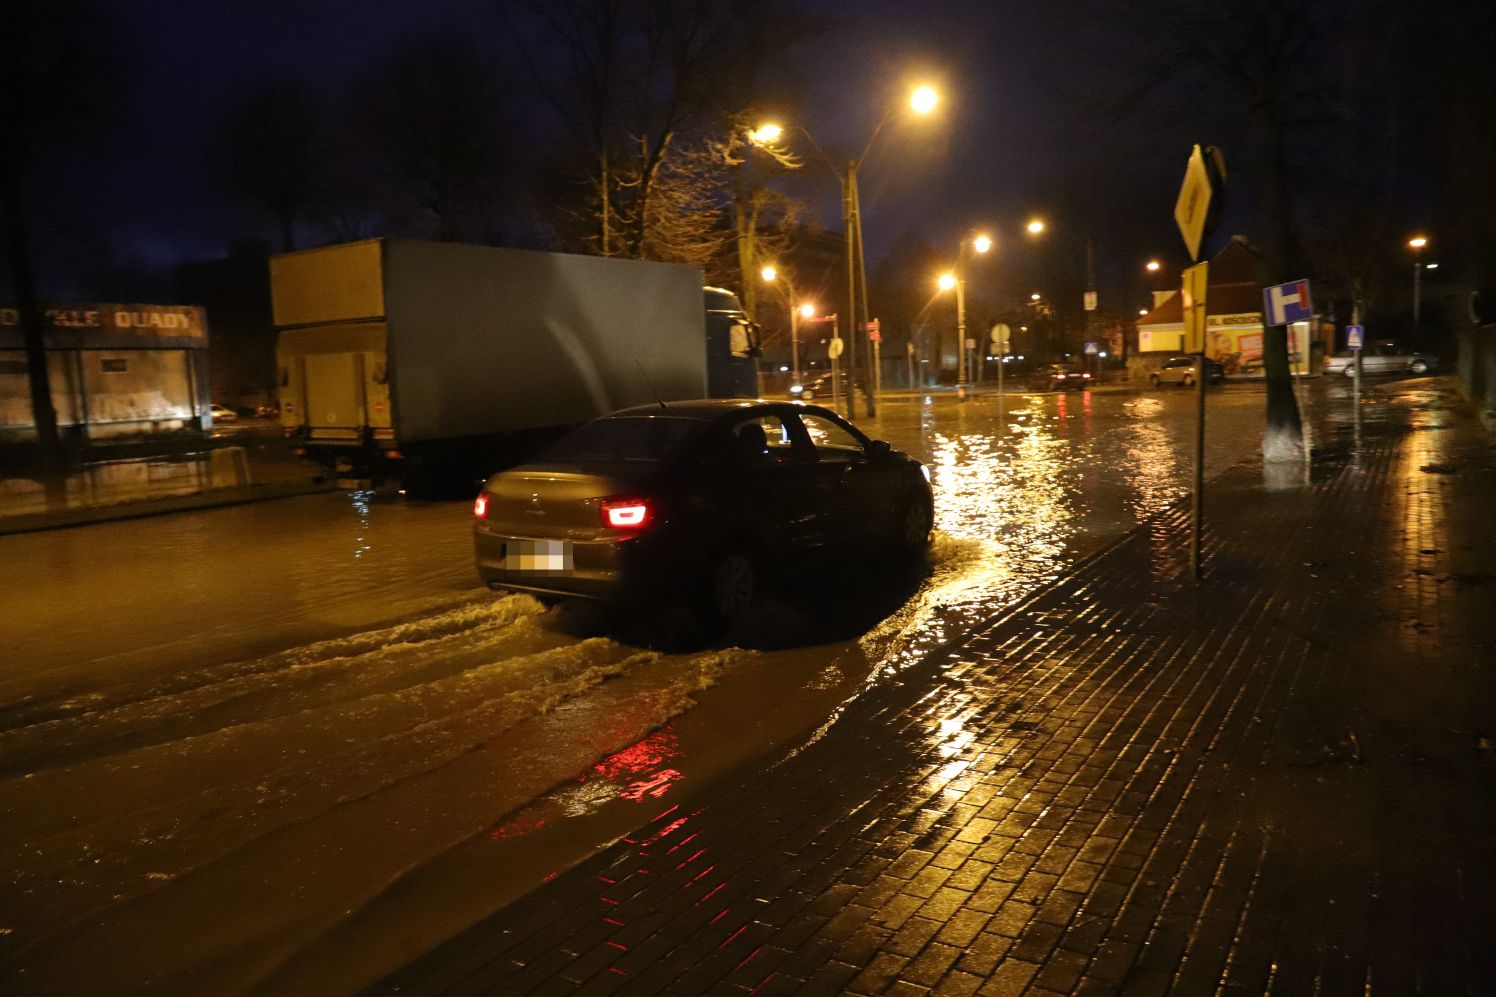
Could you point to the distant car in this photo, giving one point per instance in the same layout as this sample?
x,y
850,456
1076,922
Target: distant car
x,y
817,386
222,413
1061,377
1383,356
1183,371
708,501
1253,366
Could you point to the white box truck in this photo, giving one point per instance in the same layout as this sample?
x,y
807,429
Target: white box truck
x,y
438,362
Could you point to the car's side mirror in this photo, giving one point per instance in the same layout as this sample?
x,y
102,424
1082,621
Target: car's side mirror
x,y
878,449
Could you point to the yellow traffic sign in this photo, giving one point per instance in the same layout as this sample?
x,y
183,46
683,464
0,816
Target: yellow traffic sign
x,y
1192,297
1194,203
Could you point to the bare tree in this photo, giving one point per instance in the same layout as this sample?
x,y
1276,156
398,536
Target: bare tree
x,y
55,56
642,80
272,151
436,123
1254,77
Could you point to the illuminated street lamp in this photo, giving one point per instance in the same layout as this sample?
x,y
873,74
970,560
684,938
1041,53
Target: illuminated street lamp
x,y
1153,266
771,275
1035,226
957,279
922,100
766,134
1416,244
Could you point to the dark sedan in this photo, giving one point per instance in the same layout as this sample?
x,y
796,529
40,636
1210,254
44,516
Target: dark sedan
x,y
710,500
1063,377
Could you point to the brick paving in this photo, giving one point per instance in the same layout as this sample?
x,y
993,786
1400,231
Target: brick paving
x,y
1278,780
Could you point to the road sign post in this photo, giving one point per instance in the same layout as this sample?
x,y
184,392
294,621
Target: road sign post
x,y
1195,212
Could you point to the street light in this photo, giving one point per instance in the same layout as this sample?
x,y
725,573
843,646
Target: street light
x,y
1153,266
771,275
1416,244
1037,227
922,100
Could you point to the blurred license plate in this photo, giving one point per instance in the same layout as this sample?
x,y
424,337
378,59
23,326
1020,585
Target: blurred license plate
x,y
551,556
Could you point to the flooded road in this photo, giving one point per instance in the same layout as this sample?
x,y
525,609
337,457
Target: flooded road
x,y
289,746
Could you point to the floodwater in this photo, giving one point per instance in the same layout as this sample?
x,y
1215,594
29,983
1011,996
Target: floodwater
x,y
289,746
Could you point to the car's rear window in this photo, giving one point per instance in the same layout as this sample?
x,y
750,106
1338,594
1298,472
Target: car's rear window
x,y
624,440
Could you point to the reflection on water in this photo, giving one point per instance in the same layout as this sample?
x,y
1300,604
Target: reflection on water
x,y
1147,457
359,500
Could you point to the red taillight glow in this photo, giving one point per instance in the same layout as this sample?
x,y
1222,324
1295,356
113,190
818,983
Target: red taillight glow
x,y
480,506
626,514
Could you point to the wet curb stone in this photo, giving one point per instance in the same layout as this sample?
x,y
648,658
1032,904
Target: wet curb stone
x,y
86,515
1280,779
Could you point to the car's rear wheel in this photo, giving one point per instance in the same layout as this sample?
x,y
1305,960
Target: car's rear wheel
x,y
1153,379
915,522
730,587
1419,367
1188,381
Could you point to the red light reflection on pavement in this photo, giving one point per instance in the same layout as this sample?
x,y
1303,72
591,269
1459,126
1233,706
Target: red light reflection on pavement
x,y
639,757
516,829
641,767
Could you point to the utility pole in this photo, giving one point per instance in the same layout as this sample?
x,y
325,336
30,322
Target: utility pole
x,y
849,222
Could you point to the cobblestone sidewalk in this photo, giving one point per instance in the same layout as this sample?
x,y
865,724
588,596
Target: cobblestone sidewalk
x,y
1280,780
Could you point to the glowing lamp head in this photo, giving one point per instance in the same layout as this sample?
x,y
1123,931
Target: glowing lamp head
x,y
981,243
1418,241
1153,266
947,281
923,99
1035,226
766,134
1035,296
807,310
768,273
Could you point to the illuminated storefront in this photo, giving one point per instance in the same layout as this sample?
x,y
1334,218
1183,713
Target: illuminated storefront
x,y
1233,321
116,370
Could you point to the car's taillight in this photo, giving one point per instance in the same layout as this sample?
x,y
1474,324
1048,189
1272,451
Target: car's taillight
x,y
626,514
480,506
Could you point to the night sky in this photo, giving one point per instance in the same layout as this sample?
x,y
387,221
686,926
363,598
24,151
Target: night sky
x,y
1000,148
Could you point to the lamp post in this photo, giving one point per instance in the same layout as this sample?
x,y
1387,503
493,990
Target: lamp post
x,y
798,310
922,101
1416,244
1039,226
957,280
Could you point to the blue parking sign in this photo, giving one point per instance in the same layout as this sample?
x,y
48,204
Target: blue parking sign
x,y
1355,336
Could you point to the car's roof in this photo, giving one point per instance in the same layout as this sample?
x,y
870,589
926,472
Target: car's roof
x,y
704,409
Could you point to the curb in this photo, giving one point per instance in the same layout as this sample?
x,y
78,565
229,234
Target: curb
x,y
85,516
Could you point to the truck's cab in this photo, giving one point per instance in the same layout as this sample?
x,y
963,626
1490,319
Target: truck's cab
x,y
732,346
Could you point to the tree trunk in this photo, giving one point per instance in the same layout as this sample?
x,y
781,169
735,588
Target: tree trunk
x,y
18,244
746,204
1282,439
605,197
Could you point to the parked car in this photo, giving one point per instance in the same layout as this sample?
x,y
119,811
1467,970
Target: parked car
x,y
1383,356
817,385
222,413
1060,377
1183,371
1253,366
710,501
